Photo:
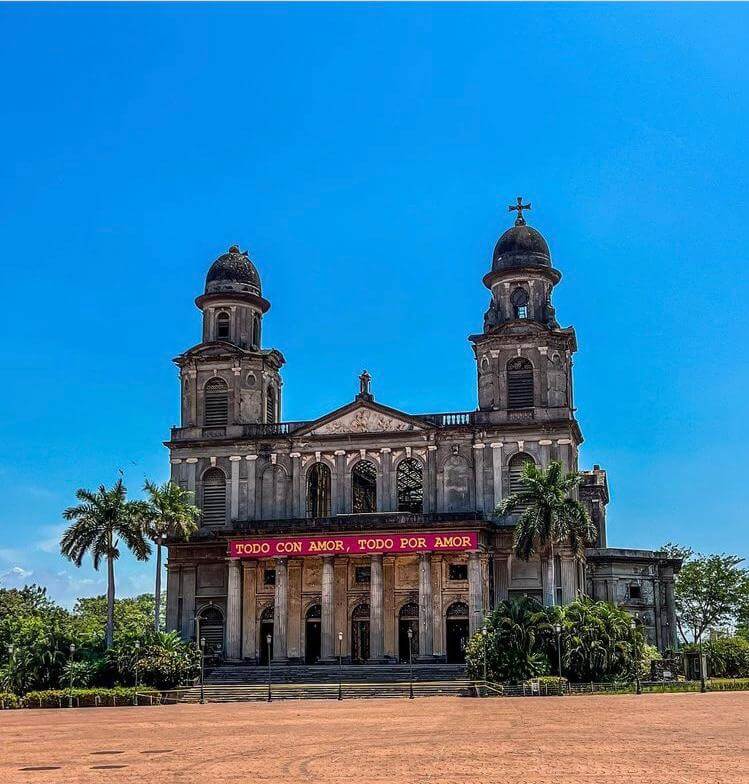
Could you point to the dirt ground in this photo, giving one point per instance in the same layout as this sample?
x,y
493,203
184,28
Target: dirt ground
x,y
653,738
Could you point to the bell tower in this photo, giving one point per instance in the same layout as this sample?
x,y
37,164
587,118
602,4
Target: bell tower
x,y
523,356
229,379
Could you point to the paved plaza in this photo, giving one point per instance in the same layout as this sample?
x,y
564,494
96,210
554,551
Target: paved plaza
x,y
652,738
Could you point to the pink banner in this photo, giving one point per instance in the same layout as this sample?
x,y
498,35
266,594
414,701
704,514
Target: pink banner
x,y
359,544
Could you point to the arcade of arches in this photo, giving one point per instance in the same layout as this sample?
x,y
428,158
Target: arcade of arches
x,y
292,609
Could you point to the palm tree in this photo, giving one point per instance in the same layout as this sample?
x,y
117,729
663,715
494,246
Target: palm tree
x,y
549,516
170,513
101,520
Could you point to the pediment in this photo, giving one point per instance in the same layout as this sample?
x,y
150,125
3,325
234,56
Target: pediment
x,y
363,418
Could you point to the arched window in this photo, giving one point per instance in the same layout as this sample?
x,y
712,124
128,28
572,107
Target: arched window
x,y
364,487
270,405
256,331
410,485
223,322
214,497
318,491
519,301
216,403
515,483
519,383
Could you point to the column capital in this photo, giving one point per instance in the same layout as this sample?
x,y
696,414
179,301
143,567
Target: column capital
x,y
250,457
191,460
385,450
295,455
235,458
176,460
496,444
479,446
545,442
339,452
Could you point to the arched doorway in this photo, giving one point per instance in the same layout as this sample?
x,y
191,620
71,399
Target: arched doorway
x,y
456,629
360,634
408,618
266,628
312,634
211,629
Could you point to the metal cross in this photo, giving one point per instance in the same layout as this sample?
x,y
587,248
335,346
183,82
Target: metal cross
x,y
520,221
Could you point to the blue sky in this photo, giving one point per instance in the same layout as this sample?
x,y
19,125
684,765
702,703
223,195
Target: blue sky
x,y
365,156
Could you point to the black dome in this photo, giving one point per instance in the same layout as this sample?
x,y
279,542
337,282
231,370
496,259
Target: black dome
x,y
233,271
521,246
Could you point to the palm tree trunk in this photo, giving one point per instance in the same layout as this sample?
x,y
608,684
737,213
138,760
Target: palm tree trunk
x,y
110,602
551,578
157,594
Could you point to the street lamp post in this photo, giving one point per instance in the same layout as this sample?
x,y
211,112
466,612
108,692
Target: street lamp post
x,y
410,665
202,670
72,653
558,632
268,640
137,656
485,638
703,685
638,685
340,666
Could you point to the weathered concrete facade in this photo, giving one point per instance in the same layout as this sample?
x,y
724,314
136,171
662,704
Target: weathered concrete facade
x,y
415,491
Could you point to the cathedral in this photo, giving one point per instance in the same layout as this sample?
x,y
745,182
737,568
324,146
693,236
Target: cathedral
x,y
371,531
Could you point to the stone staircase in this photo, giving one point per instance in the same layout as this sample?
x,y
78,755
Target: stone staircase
x,y
240,683
226,674
321,691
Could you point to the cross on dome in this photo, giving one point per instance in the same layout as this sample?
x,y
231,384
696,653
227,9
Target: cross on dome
x,y
519,207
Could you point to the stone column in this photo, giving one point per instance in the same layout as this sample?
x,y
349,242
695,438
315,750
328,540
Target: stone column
x,y
234,611
670,638
389,500
297,503
545,445
426,617
188,602
294,623
376,610
339,499
234,462
497,471
249,610
280,610
251,486
390,623
430,480
501,577
327,621
478,469
569,564
475,597
342,626
191,464
438,611
172,598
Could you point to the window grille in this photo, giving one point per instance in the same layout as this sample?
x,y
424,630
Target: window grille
x,y
214,497
270,406
519,383
216,403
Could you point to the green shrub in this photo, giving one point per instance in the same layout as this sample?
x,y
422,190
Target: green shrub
x,y
87,698
9,700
